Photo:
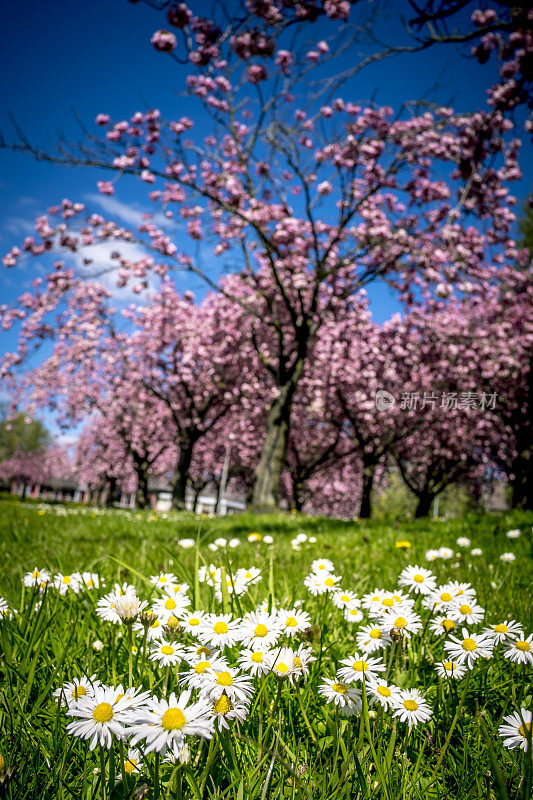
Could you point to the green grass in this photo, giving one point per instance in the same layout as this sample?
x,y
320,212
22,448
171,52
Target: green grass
x,y
293,745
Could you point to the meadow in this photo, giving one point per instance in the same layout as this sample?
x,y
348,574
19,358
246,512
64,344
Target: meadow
x,y
141,633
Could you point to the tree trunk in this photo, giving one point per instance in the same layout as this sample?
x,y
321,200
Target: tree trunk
x,y
522,482
297,495
142,500
272,458
369,470
112,488
423,507
181,473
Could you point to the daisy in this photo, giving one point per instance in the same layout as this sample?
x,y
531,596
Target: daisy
x,y
514,534
260,630
385,693
504,630
66,582
167,654
186,543
37,577
293,620
163,579
128,607
507,558
450,669
361,666
191,620
407,622
170,605
163,724
373,599
254,537
445,552
5,611
319,584
469,613
219,630
225,710
520,651
468,649
249,576
322,565
106,605
432,555
254,661
476,551
463,590
410,706
371,638
341,695
281,662
91,580
442,625
198,652
345,599
353,614
71,692
195,679
303,657
517,730
235,542
100,717
133,762
154,630
463,541
418,579
217,682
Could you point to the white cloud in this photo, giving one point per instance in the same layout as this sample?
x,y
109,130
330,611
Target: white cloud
x,y
131,214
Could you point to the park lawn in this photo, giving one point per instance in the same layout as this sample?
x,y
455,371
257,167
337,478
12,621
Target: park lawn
x,y
293,744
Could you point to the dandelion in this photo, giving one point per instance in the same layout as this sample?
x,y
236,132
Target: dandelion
x,y
163,724
450,669
507,558
516,730
254,537
418,579
521,650
100,717
409,706
403,544
468,649
361,666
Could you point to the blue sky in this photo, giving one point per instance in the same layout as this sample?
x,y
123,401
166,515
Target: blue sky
x,y
62,59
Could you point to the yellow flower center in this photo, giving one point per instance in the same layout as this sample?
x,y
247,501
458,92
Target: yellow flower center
x,y
291,622
322,566
248,575
410,705
525,729
66,579
281,667
384,691
261,630
359,666
222,705
173,622
353,612
167,650
170,604
129,766
257,658
446,597
388,602
525,647
162,579
173,719
345,598
418,578
401,622
90,582
297,662
501,628
375,633
224,679
341,688
469,644
375,598
155,624
464,609
201,667
36,574
194,621
329,582
448,625
220,627
103,712
450,666
78,692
